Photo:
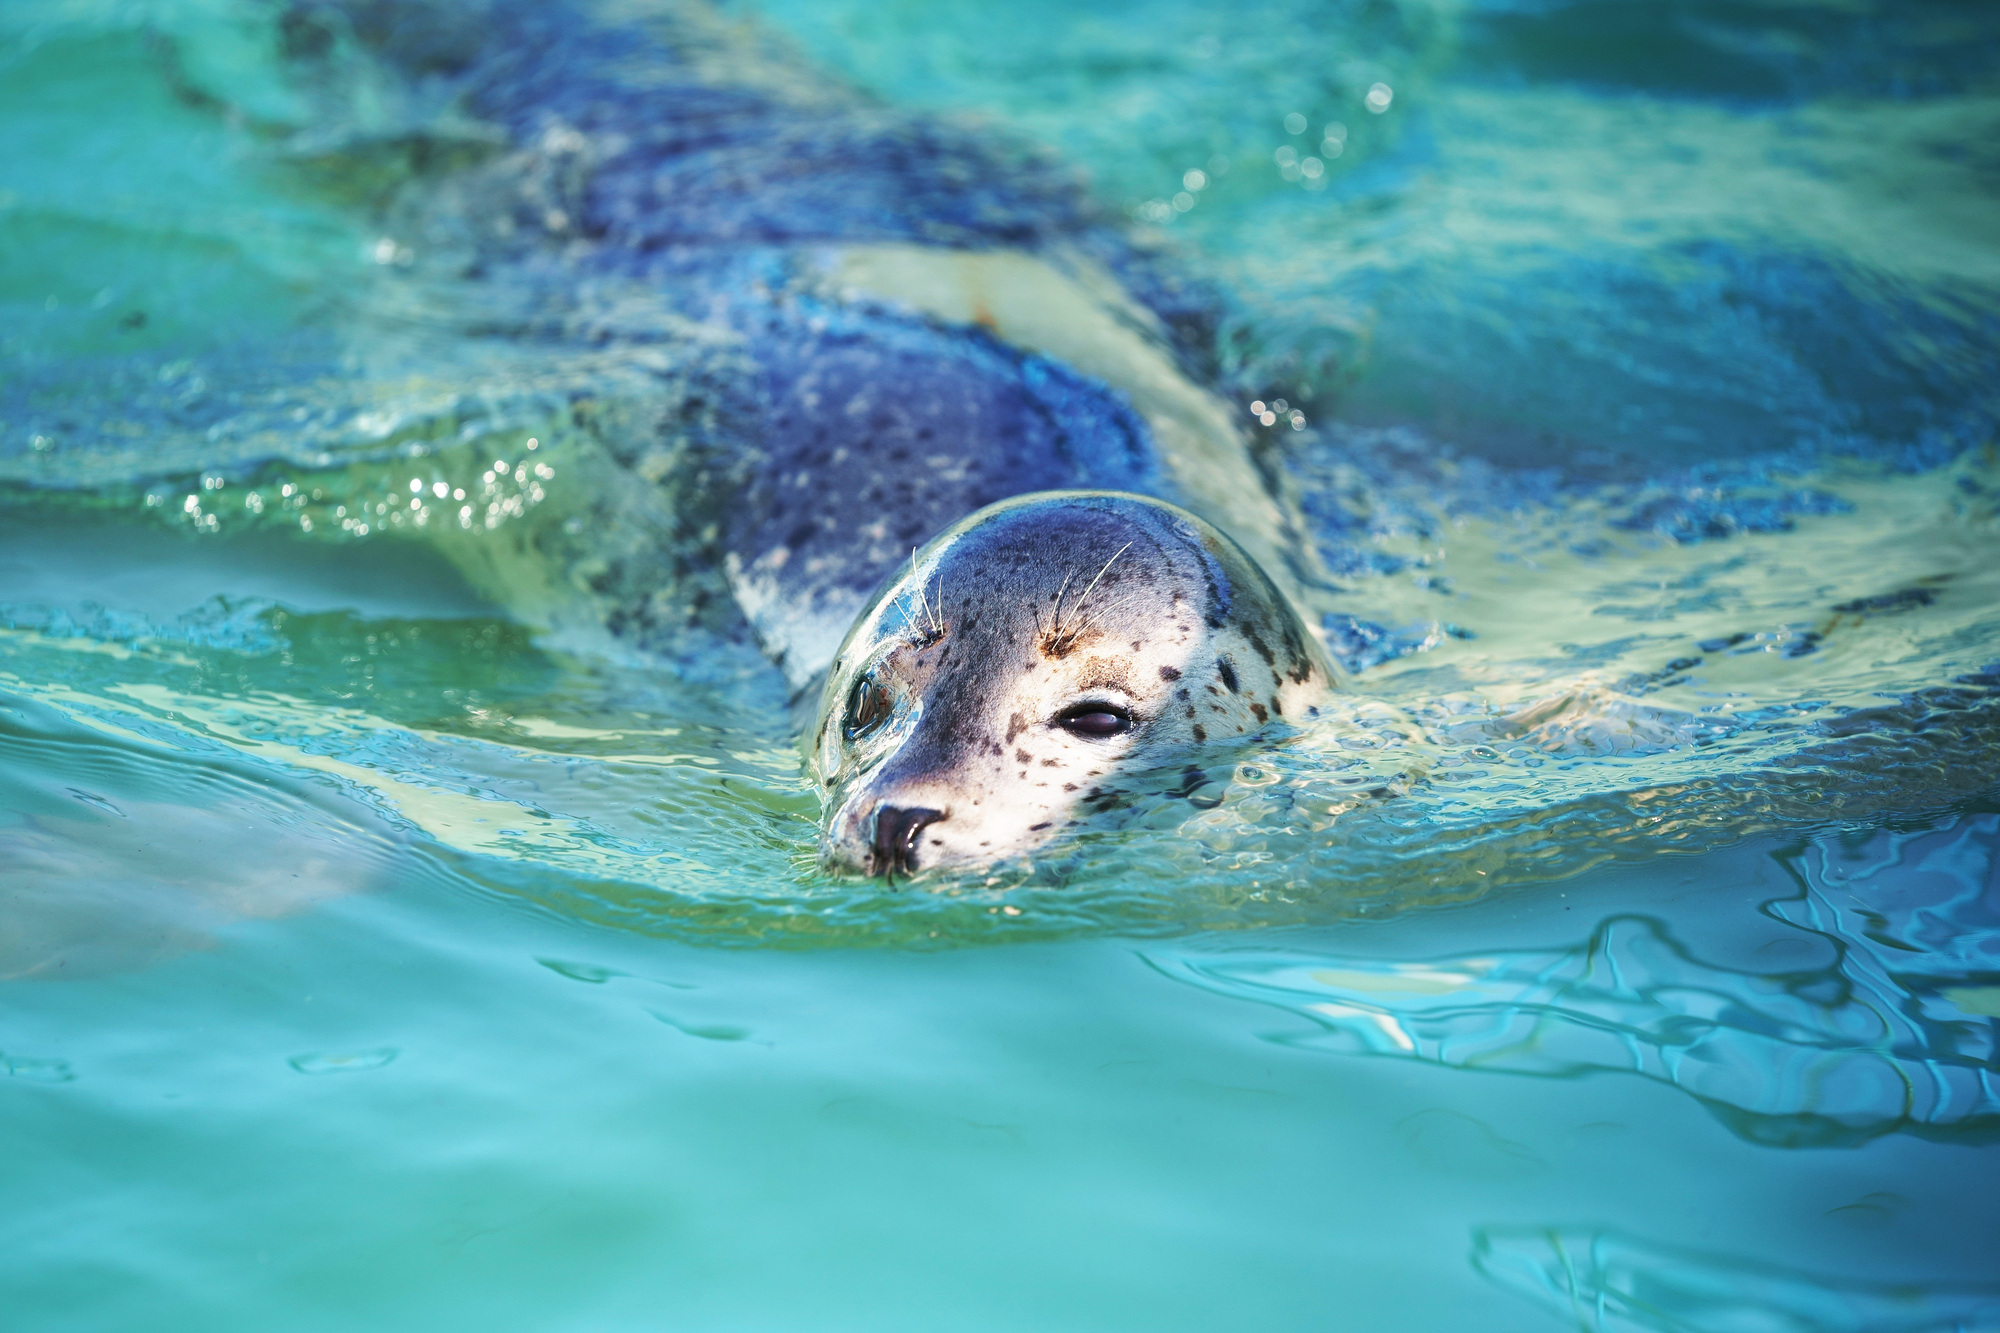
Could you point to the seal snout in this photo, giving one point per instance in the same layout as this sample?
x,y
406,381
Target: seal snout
x,y
894,848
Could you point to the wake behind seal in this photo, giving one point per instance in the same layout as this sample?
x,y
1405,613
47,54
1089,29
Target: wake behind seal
x,y
1036,654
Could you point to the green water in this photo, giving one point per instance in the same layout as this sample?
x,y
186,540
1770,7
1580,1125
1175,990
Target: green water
x,y
384,945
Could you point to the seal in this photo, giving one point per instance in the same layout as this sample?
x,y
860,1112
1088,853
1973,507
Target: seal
x,y
1036,655
782,336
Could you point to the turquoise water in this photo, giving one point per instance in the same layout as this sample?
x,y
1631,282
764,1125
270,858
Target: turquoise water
x,y
384,944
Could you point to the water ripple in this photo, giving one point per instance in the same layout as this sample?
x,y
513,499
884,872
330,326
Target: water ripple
x,y
343,1062
1896,1033
1607,1283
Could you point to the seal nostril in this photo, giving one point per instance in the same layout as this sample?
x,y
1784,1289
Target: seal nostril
x,y
895,843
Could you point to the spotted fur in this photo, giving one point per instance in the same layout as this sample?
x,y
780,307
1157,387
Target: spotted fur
x,y
1021,614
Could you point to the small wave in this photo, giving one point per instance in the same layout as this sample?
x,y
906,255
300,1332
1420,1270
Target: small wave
x,y
1895,1033
1607,1283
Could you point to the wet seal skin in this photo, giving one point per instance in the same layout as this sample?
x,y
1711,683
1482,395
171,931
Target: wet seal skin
x,y
1033,653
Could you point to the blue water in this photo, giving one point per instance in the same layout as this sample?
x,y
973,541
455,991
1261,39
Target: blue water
x,y
383,943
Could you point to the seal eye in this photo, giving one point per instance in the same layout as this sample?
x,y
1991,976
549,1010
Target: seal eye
x,y
1095,721
867,707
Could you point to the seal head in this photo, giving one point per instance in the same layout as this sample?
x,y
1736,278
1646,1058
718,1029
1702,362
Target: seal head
x,y
1033,653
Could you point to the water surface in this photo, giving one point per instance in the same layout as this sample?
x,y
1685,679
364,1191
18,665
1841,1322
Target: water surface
x,y
386,943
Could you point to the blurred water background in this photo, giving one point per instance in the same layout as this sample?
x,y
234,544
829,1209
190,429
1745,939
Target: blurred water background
x,y
385,943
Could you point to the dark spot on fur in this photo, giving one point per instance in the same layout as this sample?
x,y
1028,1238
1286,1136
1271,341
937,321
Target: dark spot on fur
x,y
1169,673
1227,670
1023,757
1015,726
1262,715
1069,786
1277,707
1200,733
1037,828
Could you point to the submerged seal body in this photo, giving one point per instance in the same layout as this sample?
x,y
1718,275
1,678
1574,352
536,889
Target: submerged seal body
x,y
1037,654
850,328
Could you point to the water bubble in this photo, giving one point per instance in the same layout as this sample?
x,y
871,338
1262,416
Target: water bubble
x,y
1296,123
1286,156
1194,179
1335,132
1379,97
1332,148
1312,168
1183,201
343,1062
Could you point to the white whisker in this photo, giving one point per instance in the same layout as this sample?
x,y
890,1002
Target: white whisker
x,y
1101,573
1055,614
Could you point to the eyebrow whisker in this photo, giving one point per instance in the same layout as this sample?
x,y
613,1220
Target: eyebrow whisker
x,y
930,620
1055,615
1100,575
